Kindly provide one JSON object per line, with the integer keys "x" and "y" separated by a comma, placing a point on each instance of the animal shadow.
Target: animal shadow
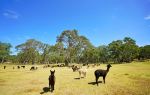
{"x": 93, "y": 83}
{"x": 78, "y": 78}
{"x": 45, "y": 90}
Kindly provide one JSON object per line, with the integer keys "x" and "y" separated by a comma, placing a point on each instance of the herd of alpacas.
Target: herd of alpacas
{"x": 82, "y": 72}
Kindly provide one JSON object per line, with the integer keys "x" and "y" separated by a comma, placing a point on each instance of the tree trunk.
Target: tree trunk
{"x": 2, "y": 60}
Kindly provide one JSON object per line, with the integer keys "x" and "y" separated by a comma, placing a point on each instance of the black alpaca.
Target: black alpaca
{"x": 101, "y": 73}
{"x": 4, "y": 67}
{"x": 52, "y": 80}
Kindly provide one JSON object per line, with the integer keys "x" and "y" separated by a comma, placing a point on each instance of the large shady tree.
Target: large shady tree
{"x": 29, "y": 51}
{"x": 73, "y": 45}
{"x": 4, "y": 51}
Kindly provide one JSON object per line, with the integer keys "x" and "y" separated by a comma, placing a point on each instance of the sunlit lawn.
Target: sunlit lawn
{"x": 122, "y": 79}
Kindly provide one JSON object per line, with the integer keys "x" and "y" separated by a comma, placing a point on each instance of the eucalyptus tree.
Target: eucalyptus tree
{"x": 115, "y": 49}
{"x": 69, "y": 40}
{"x": 124, "y": 50}
{"x": 144, "y": 52}
{"x": 90, "y": 55}
{"x": 130, "y": 49}
{"x": 29, "y": 51}
{"x": 103, "y": 53}
{"x": 44, "y": 52}
{"x": 83, "y": 45}
{"x": 4, "y": 51}
{"x": 73, "y": 45}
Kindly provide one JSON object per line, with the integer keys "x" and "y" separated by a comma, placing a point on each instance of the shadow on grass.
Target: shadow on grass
{"x": 93, "y": 83}
{"x": 78, "y": 78}
{"x": 45, "y": 90}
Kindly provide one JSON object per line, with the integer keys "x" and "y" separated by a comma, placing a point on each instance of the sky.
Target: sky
{"x": 101, "y": 21}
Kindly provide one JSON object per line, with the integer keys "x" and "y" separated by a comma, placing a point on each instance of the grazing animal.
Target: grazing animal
{"x": 101, "y": 73}
{"x": 18, "y": 67}
{"x": 52, "y": 80}
{"x": 4, "y": 67}
{"x": 23, "y": 67}
{"x": 33, "y": 68}
{"x": 82, "y": 72}
{"x": 75, "y": 68}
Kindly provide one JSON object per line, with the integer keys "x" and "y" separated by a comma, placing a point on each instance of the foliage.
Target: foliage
{"x": 4, "y": 51}
{"x": 71, "y": 47}
{"x": 144, "y": 52}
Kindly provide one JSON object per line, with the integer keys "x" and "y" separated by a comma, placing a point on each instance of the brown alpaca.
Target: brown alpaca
{"x": 52, "y": 80}
{"x": 101, "y": 73}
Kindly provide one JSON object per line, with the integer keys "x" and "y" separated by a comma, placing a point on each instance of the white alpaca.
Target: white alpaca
{"x": 82, "y": 72}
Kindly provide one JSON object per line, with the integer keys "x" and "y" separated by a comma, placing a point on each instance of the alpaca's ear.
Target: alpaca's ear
{"x": 50, "y": 71}
{"x": 54, "y": 71}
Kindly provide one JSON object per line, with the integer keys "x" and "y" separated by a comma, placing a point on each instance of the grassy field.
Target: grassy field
{"x": 122, "y": 79}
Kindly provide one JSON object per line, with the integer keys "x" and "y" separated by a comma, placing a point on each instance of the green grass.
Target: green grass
{"x": 122, "y": 79}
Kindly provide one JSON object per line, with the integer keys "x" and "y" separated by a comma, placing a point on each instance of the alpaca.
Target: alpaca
{"x": 52, "y": 80}
{"x": 82, "y": 72}
{"x": 75, "y": 68}
{"x": 102, "y": 73}
{"x": 33, "y": 68}
{"x": 4, "y": 67}
{"x": 23, "y": 67}
{"x": 18, "y": 67}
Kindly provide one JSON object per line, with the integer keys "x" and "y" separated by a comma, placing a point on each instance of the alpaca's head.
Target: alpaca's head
{"x": 52, "y": 72}
{"x": 109, "y": 66}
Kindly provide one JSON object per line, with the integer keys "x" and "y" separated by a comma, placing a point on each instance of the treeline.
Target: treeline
{"x": 71, "y": 47}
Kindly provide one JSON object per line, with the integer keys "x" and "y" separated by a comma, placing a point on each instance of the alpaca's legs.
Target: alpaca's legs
{"x": 85, "y": 74}
{"x": 52, "y": 88}
{"x": 79, "y": 74}
{"x": 104, "y": 79}
{"x": 97, "y": 80}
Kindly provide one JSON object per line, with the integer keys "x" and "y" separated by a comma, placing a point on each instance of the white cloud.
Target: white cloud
{"x": 147, "y": 17}
{"x": 11, "y": 14}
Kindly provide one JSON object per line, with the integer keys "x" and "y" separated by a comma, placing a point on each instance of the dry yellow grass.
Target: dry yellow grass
{"x": 123, "y": 79}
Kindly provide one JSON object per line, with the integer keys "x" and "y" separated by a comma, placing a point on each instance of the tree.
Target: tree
{"x": 103, "y": 52}
{"x": 69, "y": 40}
{"x": 144, "y": 52}
{"x": 73, "y": 45}
{"x": 4, "y": 51}
{"x": 90, "y": 55}
{"x": 45, "y": 50}
{"x": 115, "y": 49}
{"x": 130, "y": 49}
{"x": 123, "y": 50}
{"x": 29, "y": 51}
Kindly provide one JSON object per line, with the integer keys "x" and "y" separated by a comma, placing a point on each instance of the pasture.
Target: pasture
{"x": 122, "y": 79}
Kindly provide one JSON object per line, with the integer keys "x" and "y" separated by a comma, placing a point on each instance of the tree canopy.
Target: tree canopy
{"x": 71, "y": 47}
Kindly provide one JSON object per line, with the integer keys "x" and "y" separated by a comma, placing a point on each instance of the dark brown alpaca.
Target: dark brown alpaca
{"x": 101, "y": 73}
{"x": 52, "y": 80}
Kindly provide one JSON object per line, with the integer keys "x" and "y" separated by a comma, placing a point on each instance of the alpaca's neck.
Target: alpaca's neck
{"x": 107, "y": 69}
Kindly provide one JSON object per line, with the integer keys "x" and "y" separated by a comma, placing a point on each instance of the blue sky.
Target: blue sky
{"x": 101, "y": 21}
